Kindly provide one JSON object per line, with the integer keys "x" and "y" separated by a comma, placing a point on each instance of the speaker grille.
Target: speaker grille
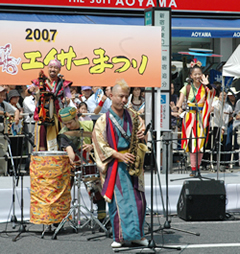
{"x": 202, "y": 200}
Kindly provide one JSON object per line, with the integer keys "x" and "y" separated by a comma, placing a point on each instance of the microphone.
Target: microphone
{"x": 30, "y": 141}
{"x": 147, "y": 129}
{"x": 28, "y": 138}
{"x": 60, "y": 75}
{"x": 189, "y": 80}
{"x": 59, "y": 85}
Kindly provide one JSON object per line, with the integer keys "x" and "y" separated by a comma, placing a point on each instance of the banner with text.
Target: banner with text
{"x": 94, "y": 55}
{"x": 204, "y": 5}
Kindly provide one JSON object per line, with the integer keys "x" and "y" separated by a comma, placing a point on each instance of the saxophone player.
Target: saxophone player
{"x": 123, "y": 192}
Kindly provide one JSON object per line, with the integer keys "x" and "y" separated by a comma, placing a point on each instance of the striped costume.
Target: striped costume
{"x": 192, "y": 128}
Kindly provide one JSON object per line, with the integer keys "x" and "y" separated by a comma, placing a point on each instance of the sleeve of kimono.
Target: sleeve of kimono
{"x": 102, "y": 151}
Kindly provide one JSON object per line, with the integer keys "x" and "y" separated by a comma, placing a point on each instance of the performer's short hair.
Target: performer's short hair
{"x": 67, "y": 114}
{"x": 123, "y": 84}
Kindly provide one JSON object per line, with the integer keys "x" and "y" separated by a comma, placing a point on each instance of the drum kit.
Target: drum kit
{"x": 50, "y": 196}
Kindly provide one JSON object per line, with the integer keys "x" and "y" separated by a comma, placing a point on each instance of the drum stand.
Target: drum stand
{"x": 91, "y": 220}
{"x": 77, "y": 207}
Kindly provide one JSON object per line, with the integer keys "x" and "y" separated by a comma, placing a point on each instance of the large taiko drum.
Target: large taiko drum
{"x": 50, "y": 187}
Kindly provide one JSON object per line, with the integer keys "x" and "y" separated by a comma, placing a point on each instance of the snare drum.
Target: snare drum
{"x": 50, "y": 187}
{"x": 89, "y": 172}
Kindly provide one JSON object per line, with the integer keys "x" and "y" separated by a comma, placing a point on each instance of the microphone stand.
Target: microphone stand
{"x": 22, "y": 227}
{"x": 167, "y": 224}
{"x": 58, "y": 88}
{"x": 14, "y": 178}
{"x": 218, "y": 143}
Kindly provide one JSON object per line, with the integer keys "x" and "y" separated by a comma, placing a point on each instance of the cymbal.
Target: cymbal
{"x": 84, "y": 134}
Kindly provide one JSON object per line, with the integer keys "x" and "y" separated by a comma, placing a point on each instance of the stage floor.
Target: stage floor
{"x": 231, "y": 181}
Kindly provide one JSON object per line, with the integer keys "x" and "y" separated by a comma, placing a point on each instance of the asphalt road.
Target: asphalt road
{"x": 220, "y": 237}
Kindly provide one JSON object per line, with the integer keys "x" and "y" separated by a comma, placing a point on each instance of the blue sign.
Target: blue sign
{"x": 217, "y": 76}
{"x": 163, "y": 99}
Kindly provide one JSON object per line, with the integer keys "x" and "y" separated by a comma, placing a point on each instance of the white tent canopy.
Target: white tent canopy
{"x": 232, "y": 67}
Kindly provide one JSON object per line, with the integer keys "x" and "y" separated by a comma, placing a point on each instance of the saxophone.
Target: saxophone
{"x": 136, "y": 148}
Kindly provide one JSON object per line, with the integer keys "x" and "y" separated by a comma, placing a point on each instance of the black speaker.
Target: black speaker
{"x": 202, "y": 200}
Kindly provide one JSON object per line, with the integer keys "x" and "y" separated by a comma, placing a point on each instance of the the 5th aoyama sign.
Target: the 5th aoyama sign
{"x": 202, "y": 6}
{"x": 183, "y": 5}
{"x": 89, "y": 54}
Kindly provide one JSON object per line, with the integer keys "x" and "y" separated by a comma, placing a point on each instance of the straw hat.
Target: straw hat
{"x": 233, "y": 91}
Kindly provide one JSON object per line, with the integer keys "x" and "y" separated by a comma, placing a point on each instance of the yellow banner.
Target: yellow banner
{"x": 92, "y": 55}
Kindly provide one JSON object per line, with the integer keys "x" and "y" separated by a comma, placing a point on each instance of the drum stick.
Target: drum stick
{"x": 90, "y": 153}
{"x": 78, "y": 133}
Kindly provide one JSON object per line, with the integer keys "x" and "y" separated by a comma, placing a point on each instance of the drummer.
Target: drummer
{"x": 70, "y": 120}
{"x": 71, "y": 123}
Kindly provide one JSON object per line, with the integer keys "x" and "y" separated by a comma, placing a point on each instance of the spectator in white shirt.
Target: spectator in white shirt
{"x": 98, "y": 103}
{"x": 220, "y": 124}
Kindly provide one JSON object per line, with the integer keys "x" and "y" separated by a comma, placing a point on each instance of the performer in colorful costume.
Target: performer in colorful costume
{"x": 199, "y": 95}
{"x": 71, "y": 123}
{"x": 54, "y": 93}
{"x": 124, "y": 193}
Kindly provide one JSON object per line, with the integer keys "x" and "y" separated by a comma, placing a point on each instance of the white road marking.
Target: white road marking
{"x": 208, "y": 245}
{"x": 185, "y": 246}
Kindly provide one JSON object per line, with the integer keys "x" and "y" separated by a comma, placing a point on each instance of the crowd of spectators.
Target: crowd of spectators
{"x": 90, "y": 103}
{"x": 223, "y": 128}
